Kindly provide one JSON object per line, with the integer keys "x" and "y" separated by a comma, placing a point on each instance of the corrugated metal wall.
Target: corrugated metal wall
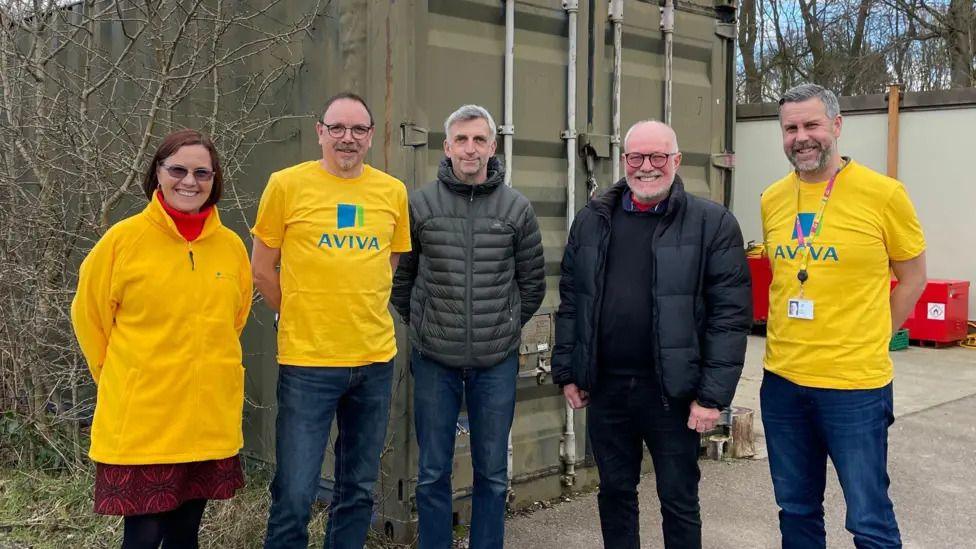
{"x": 417, "y": 61}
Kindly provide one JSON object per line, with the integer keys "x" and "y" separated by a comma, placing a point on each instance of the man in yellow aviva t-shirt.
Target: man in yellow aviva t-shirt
{"x": 833, "y": 228}
{"x": 336, "y": 228}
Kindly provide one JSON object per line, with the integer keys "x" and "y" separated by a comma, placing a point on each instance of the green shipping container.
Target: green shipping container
{"x": 415, "y": 62}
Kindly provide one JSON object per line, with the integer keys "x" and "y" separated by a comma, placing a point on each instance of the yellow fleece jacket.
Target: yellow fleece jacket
{"x": 159, "y": 320}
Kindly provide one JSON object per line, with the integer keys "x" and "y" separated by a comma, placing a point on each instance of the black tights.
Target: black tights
{"x": 176, "y": 529}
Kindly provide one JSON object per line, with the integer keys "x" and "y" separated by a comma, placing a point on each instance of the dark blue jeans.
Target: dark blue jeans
{"x": 626, "y": 413}
{"x": 803, "y": 426}
{"x": 490, "y": 397}
{"x": 308, "y": 399}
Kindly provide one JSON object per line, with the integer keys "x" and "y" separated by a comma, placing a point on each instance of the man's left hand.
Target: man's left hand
{"x": 701, "y": 418}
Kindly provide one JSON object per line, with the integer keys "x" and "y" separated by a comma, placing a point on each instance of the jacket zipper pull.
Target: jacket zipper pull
{"x": 472, "y": 194}
{"x": 193, "y": 265}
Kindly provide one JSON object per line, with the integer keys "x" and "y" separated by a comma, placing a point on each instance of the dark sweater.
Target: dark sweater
{"x": 625, "y": 345}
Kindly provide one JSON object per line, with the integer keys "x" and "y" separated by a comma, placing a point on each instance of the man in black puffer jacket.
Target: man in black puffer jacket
{"x": 474, "y": 278}
{"x": 651, "y": 332}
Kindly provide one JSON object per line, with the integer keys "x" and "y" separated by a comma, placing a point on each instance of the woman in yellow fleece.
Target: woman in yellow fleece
{"x": 162, "y": 299}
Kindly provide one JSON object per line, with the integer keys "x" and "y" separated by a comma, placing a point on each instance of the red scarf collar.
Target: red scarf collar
{"x": 189, "y": 225}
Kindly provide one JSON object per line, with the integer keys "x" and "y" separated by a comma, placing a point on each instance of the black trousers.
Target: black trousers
{"x": 626, "y": 413}
{"x": 176, "y": 529}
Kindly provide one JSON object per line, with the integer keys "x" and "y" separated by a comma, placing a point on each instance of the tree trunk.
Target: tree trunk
{"x": 812, "y": 29}
{"x": 747, "y": 47}
{"x": 743, "y": 436}
{"x": 959, "y": 25}
{"x": 857, "y": 45}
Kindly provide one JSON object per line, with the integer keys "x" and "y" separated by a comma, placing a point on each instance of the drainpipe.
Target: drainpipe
{"x": 567, "y": 446}
{"x": 616, "y": 14}
{"x": 508, "y": 129}
{"x": 894, "y": 96}
{"x": 572, "y": 9}
{"x": 667, "y": 27}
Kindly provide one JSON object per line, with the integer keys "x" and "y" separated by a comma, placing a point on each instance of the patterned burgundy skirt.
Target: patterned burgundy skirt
{"x": 144, "y": 489}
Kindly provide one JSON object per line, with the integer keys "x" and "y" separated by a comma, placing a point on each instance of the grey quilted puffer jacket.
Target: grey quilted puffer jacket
{"x": 476, "y": 272}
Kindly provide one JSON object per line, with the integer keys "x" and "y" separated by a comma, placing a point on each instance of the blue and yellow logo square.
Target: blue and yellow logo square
{"x": 349, "y": 215}
{"x": 806, "y": 223}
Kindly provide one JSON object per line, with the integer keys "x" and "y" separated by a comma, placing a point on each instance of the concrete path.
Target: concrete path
{"x": 932, "y": 459}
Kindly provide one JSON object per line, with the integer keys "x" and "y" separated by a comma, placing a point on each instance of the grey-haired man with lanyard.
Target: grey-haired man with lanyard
{"x": 833, "y": 228}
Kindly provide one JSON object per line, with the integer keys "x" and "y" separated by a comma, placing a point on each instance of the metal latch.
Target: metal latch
{"x": 725, "y": 30}
{"x": 412, "y": 135}
{"x": 724, "y": 160}
{"x": 599, "y": 143}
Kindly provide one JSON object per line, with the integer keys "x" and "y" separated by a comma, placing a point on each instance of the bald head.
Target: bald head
{"x": 651, "y": 159}
{"x": 654, "y": 127}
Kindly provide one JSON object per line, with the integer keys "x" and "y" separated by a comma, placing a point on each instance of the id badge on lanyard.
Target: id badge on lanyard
{"x": 799, "y": 307}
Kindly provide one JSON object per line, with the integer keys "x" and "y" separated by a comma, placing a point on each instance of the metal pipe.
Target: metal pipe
{"x": 667, "y": 27}
{"x": 894, "y": 96}
{"x": 508, "y": 128}
{"x": 572, "y": 9}
{"x": 616, "y": 14}
{"x": 567, "y": 446}
{"x": 511, "y": 464}
{"x": 729, "y": 117}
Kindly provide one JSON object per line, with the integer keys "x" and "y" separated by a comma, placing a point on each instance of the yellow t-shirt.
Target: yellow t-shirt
{"x": 336, "y": 236}
{"x": 868, "y": 222}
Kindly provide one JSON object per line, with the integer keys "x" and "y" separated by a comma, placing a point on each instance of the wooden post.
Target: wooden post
{"x": 717, "y": 446}
{"x": 894, "y": 97}
{"x": 743, "y": 437}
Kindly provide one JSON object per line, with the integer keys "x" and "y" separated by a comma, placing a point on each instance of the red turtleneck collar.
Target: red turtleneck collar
{"x": 189, "y": 225}
{"x": 642, "y": 207}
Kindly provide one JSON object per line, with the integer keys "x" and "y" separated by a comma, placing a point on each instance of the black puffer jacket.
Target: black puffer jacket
{"x": 702, "y": 299}
{"x": 476, "y": 272}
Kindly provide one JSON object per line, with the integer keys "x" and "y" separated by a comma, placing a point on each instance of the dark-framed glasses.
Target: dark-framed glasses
{"x": 337, "y": 131}
{"x": 179, "y": 172}
{"x": 658, "y": 160}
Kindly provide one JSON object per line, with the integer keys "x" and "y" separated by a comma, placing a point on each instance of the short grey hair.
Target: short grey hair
{"x": 803, "y": 92}
{"x": 650, "y": 121}
{"x": 470, "y": 112}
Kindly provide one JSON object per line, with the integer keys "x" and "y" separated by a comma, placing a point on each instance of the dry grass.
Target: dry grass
{"x": 43, "y": 510}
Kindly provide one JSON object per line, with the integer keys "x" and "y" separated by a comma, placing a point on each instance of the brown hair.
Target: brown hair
{"x": 172, "y": 143}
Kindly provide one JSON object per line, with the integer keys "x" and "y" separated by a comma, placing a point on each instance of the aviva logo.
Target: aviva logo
{"x": 817, "y": 253}
{"x": 349, "y": 242}
{"x": 806, "y": 223}
{"x": 349, "y": 215}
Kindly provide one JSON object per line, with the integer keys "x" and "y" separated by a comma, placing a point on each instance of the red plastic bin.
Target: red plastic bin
{"x": 941, "y": 313}
{"x": 762, "y": 276}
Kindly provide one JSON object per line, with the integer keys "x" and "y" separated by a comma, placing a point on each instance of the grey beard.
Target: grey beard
{"x": 822, "y": 160}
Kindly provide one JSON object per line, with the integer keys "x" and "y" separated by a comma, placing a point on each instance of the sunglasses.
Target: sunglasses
{"x": 179, "y": 172}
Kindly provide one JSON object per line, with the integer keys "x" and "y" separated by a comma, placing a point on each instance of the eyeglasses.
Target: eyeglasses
{"x": 658, "y": 160}
{"x": 179, "y": 172}
{"x": 337, "y": 131}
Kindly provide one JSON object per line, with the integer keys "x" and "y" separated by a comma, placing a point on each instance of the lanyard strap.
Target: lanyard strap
{"x": 805, "y": 242}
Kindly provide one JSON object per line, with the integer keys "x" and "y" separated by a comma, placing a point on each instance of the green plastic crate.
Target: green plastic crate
{"x": 899, "y": 340}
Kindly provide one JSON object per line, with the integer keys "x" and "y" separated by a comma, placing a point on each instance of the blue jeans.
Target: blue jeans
{"x": 308, "y": 399}
{"x": 626, "y": 413}
{"x": 803, "y": 426}
{"x": 490, "y": 397}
